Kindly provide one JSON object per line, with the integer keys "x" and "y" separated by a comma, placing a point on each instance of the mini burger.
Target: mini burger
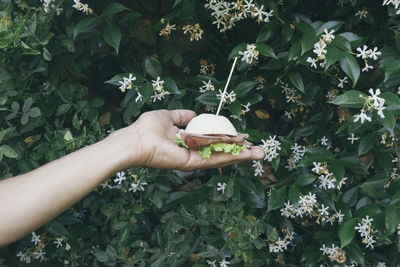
{"x": 208, "y": 132}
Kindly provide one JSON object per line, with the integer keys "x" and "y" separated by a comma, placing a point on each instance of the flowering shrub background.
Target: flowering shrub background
{"x": 316, "y": 85}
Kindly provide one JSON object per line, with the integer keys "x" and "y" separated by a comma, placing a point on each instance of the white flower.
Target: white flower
{"x": 231, "y": 97}
{"x": 327, "y": 181}
{"x": 224, "y": 263}
{"x": 319, "y": 48}
{"x": 361, "y": 13}
{"x": 258, "y": 168}
{"x": 139, "y": 97}
{"x": 120, "y": 177}
{"x": 158, "y": 84}
{"x": 362, "y": 116}
{"x": 363, "y": 53}
{"x": 58, "y": 242}
{"x": 288, "y": 114}
{"x": 126, "y": 83}
{"x": 137, "y": 186}
{"x": 67, "y": 247}
{"x": 342, "y": 81}
{"x": 340, "y": 216}
{"x": 341, "y": 183}
{"x": 328, "y": 36}
{"x": 211, "y": 263}
{"x": 378, "y": 101}
{"x": 312, "y": 61}
{"x": 35, "y": 238}
{"x": 352, "y": 138}
{"x": 317, "y": 167}
{"x": 24, "y": 257}
{"x": 207, "y": 87}
{"x": 39, "y": 255}
{"x": 374, "y": 53}
{"x": 250, "y": 56}
{"x": 246, "y": 107}
{"x": 367, "y": 67}
{"x": 323, "y": 210}
{"x": 221, "y": 187}
{"x": 324, "y": 141}
{"x": 380, "y": 111}
{"x": 270, "y": 147}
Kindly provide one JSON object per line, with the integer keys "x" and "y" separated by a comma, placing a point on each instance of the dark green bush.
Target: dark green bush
{"x": 316, "y": 85}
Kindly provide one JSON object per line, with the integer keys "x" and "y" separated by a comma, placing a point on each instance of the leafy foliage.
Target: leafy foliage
{"x": 303, "y": 74}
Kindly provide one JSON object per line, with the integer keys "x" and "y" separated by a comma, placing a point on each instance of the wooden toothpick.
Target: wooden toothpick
{"x": 226, "y": 86}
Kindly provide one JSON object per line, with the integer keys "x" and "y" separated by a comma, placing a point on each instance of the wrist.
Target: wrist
{"x": 124, "y": 148}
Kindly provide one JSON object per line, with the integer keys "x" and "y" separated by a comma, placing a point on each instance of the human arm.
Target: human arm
{"x": 30, "y": 200}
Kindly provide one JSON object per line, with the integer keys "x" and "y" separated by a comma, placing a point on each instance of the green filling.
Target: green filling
{"x": 180, "y": 142}
{"x": 206, "y": 151}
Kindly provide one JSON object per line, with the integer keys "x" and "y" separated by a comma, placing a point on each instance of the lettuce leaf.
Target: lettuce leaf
{"x": 180, "y": 142}
{"x": 206, "y": 151}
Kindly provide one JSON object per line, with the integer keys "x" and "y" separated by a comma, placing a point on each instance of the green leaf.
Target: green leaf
{"x": 296, "y": 79}
{"x": 350, "y": 66}
{"x": 244, "y": 87}
{"x": 208, "y": 98}
{"x": 100, "y": 255}
{"x": 114, "y": 8}
{"x": 305, "y": 179}
{"x": 112, "y": 36}
{"x": 27, "y": 50}
{"x": 152, "y": 67}
{"x": 266, "y": 32}
{"x": 355, "y": 164}
{"x": 392, "y": 218}
{"x": 177, "y": 2}
{"x": 389, "y": 121}
{"x": 350, "y": 197}
{"x": 170, "y": 85}
{"x": 6, "y": 38}
{"x": 27, "y": 105}
{"x": 307, "y": 43}
{"x": 333, "y": 55}
{"x": 390, "y": 99}
{"x": 330, "y": 25}
{"x": 353, "y": 251}
{"x": 4, "y": 132}
{"x": 235, "y": 51}
{"x": 111, "y": 253}
{"x": 46, "y": 54}
{"x": 8, "y": 151}
{"x": 24, "y": 119}
{"x": 347, "y": 232}
{"x": 34, "y": 112}
{"x": 277, "y": 198}
{"x": 294, "y": 194}
{"x": 235, "y": 108}
{"x": 367, "y": 143}
{"x": 350, "y": 99}
{"x": 295, "y": 51}
{"x": 265, "y": 50}
{"x": 86, "y": 25}
{"x": 56, "y": 228}
{"x": 62, "y": 109}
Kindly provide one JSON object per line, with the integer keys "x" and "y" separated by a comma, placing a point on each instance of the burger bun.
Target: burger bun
{"x": 210, "y": 124}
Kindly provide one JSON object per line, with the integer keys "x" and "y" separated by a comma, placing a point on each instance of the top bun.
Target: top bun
{"x": 210, "y": 124}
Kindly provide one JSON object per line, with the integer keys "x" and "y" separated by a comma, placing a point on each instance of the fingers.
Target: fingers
{"x": 222, "y": 159}
{"x": 181, "y": 117}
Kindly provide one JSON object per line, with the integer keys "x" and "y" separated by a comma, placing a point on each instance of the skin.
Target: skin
{"x": 30, "y": 200}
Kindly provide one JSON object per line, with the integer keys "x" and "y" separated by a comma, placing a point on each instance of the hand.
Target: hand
{"x": 152, "y": 139}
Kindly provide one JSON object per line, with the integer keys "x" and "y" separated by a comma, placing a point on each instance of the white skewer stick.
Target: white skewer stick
{"x": 226, "y": 86}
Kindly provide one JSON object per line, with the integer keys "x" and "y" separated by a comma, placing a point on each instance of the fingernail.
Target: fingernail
{"x": 257, "y": 152}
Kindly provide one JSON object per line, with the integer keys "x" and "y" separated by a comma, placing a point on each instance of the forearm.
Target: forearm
{"x": 30, "y": 200}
